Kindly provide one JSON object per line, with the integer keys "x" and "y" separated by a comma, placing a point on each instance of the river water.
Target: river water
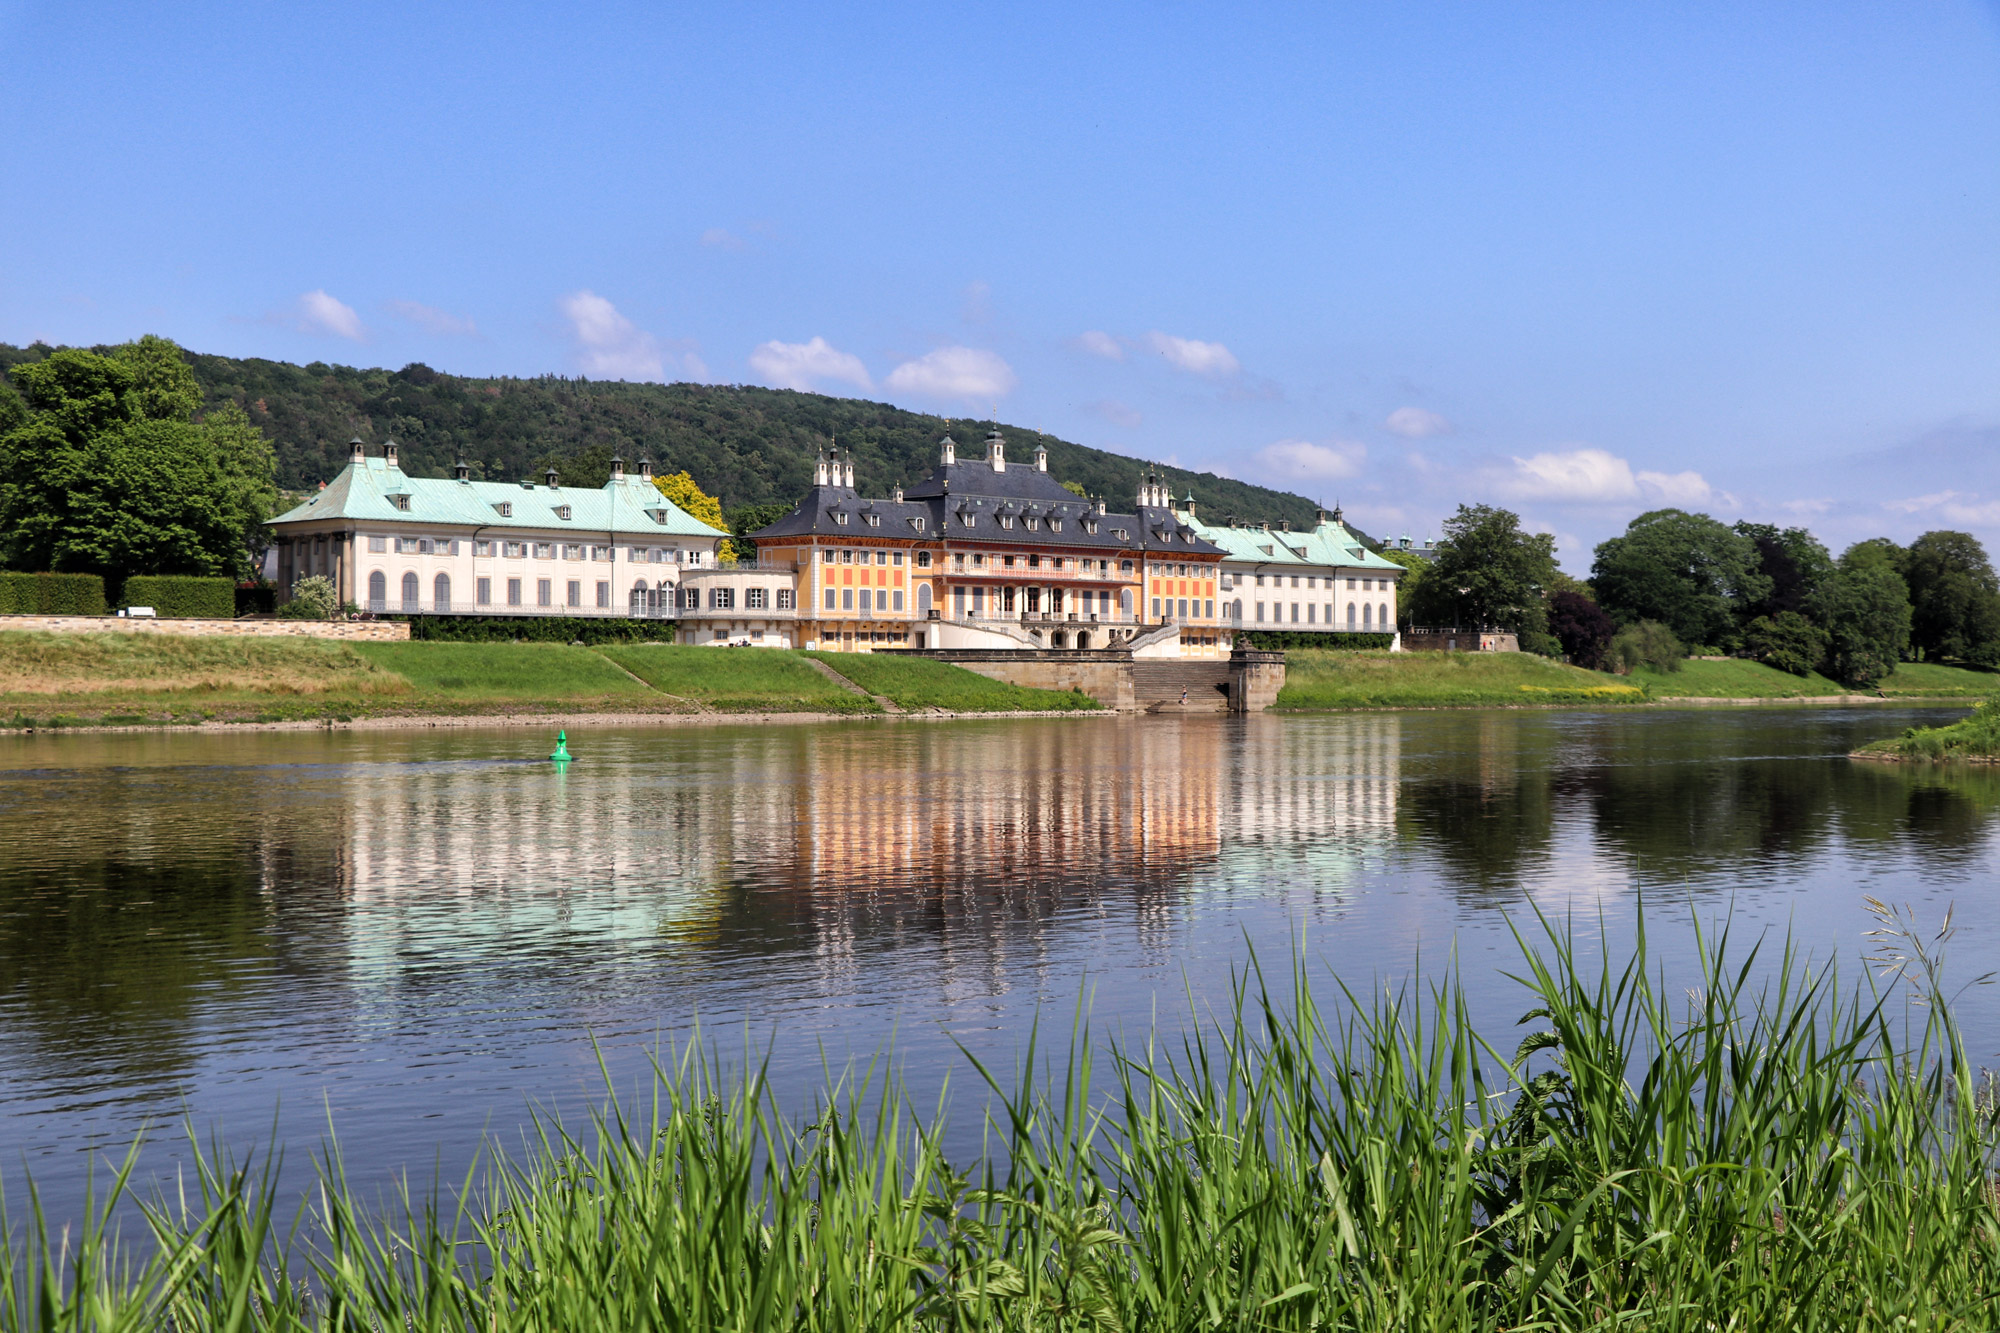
{"x": 415, "y": 936}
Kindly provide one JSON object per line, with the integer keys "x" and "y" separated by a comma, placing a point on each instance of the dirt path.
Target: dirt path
{"x": 886, "y": 705}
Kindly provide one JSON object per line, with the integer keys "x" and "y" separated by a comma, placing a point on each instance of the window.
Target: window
{"x": 1034, "y": 525}
{"x": 1184, "y": 610}
{"x": 1210, "y": 612}
{"x": 898, "y": 599}
{"x": 482, "y": 548}
{"x": 874, "y": 520}
{"x": 978, "y": 559}
{"x": 1007, "y": 521}
{"x": 573, "y": 593}
{"x": 513, "y": 592}
{"x": 483, "y": 590}
{"x": 400, "y": 501}
{"x": 829, "y": 599}
{"x": 966, "y": 518}
{"x": 1124, "y": 566}
{"x": 840, "y": 517}
{"x": 1367, "y": 615}
{"x": 517, "y": 550}
{"x": 441, "y": 593}
{"x": 603, "y": 593}
{"x": 847, "y": 599}
{"x": 603, "y": 553}
{"x": 1006, "y": 562}
{"x": 1034, "y": 562}
{"x": 1156, "y": 608}
{"x": 1295, "y": 613}
{"x": 958, "y": 559}
{"x": 753, "y": 599}
{"x": 657, "y": 556}
{"x": 505, "y": 509}
{"x": 544, "y": 592}
{"x": 545, "y": 550}
{"x": 917, "y": 523}
{"x": 1383, "y": 619}
{"x": 923, "y": 560}
{"x": 572, "y": 552}
{"x": 1312, "y": 609}
{"x": 784, "y": 599}
{"x": 1350, "y": 615}
{"x": 1295, "y": 580}
{"x": 897, "y": 559}
{"x": 923, "y": 598}
{"x": 1055, "y": 525}
{"x": 562, "y": 512}
{"x": 847, "y": 557}
{"x": 1350, "y": 585}
{"x": 378, "y": 545}
{"x": 1121, "y": 534}
{"x": 412, "y": 596}
{"x": 722, "y": 599}
{"x": 378, "y": 591}
{"x": 406, "y": 546}
{"x": 1260, "y": 611}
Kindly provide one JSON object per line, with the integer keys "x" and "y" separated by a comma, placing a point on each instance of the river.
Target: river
{"x": 415, "y": 936}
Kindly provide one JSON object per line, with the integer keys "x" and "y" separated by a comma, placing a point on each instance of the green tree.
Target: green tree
{"x": 746, "y": 519}
{"x": 110, "y": 474}
{"x": 1489, "y": 572}
{"x": 1865, "y": 611}
{"x": 1409, "y": 589}
{"x": 1795, "y": 562}
{"x": 1646, "y": 643}
{"x": 1687, "y": 571}
{"x": 1954, "y": 598}
{"x": 1076, "y": 488}
{"x": 1787, "y": 641}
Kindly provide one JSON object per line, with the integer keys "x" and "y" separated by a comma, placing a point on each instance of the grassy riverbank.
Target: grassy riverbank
{"x": 1735, "y": 679}
{"x": 1744, "y": 1155}
{"x": 126, "y": 678}
{"x": 1976, "y": 738}
{"x": 1317, "y": 680}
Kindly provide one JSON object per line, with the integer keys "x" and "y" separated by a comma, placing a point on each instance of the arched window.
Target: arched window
{"x": 441, "y": 593}
{"x": 640, "y": 599}
{"x": 378, "y": 592}
{"x": 1367, "y": 614}
{"x": 1383, "y": 621}
{"x": 412, "y": 594}
{"x": 923, "y": 596}
{"x": 1125, "y": 601}
{"x": 1350, "y": 615}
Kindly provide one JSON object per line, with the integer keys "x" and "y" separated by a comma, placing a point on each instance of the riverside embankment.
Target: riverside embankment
{"x": 146, "y": 680}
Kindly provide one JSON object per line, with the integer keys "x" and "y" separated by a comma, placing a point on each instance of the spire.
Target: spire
{"x": 356, "y": 451}
{"x": 1041, "y": 457}
{"x": 820, "y": 477}
{"x": 551, "y": 476}
{"x": 460, "y": 470}
{"x": 645, "y": 469}
{"x": 617, "y": 468}
{"x": 389, "y": 453}
{"x": 996, "y": 450}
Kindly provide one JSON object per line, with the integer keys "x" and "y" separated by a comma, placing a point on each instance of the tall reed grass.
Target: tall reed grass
{"x": 1767, "y": 1151}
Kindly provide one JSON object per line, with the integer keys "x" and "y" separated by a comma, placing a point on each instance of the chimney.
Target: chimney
{"x": 819, "y": 471}
{"x": 645, "y": 469}
{"x": 356, "y": 451}
{"x": 1190, "y": 504}
{"x": 1041, "y": 457}
{"x": 461, "y": 471}
{"x": 996, "y": 450}
{"x": 389, "y": 454}
{"x": 947, "y": 452}
{"x": 617, "y": 469}
{"x": 551, "y": 475}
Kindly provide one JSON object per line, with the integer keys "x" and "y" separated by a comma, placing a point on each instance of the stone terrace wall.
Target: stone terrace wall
{"x": 371, "y": 630}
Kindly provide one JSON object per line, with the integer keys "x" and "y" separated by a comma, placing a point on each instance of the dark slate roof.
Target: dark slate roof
{"x": 1020, "y": 493}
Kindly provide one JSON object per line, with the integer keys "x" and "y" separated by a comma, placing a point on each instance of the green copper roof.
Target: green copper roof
{"x": 1328, "y": 544}
{"x": 367, "y": 491}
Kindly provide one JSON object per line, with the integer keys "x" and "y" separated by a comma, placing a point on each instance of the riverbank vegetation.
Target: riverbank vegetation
{"x": 1762, "y": 1149}
{"x": 1974, "y": 738}
{"x": 1329, "y": 679}
{"x": 738, "y": 680}
{"x": 1741, "y": 678}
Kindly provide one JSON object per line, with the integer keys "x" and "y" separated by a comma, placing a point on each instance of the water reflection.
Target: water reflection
{"x": 427, "y": 930}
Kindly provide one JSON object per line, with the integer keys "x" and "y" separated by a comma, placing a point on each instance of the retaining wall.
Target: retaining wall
{"x": 371, "y": 630}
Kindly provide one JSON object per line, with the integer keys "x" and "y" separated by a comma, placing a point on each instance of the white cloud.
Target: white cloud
{"x": 316, "y": 312}
{"x": 718, "y": 238}
{"x": 433, "y": 320}
{"x": 611, "y": 346}
{"x": 1979, "y": 515}
{"x": 954, "y": 372}
{"x": 1414, "y": 423}
{"x": 1099, "y": 343}
{"x": 1951, "y": 506}
{"x": 1302, "y": 460}
{"x": 1917, "y": 503}
{"x": 1818, "y": 506}
{"x": 805, "y": 365}
{"x": 1194, "y": 356}
{"x": 1596, "y": 476}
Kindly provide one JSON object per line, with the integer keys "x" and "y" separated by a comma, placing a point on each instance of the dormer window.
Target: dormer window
{"x": 874, "y": 520}
{"x": 1055, "y": 525}
{"x": 1121, "y": 534}
{"x": 966, "y": 519}
{"x": 657, "y": 515}
{"x": 400, "y": 501}
{"x": 1007, "y": 521}
{"x": 1034, "y": 524}
{"x": 505, "y": 509}
{"x": 840, "y": 517}
{"x": 562, "y": 512}
{"x": 917, "y": 523}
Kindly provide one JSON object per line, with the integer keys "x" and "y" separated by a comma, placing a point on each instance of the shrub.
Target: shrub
{"x": 256, "y": 599}
{"x": 1582, "y": 628}
{"x": 1787, "y": 641}
{"x": 51, "y": 595}
{"x": 313, "y": 598}
{"x": 1646, "y": 644}
{"x": 538, "y": 629}
{"x": 183, "y": 596}
{"x": 1277, "y": 640}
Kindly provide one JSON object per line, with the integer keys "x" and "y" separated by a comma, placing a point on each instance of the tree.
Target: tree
{"x": 1489, "y": 572}
{"x": 682, "y": 490}
{"x": 1581, "y": 627}
{"x": 1409, "y": 589}
{"x": 1793, "y": 560}
{"x": 1687, "y": 571}
{"x": 1647, "y": 643}
{"x": 1787, "y": 641}
{"x": 110, "y": 474}
{"x": 1076, "y": 488}
{"x": 1954, "y": 598}
{"x": 746, "y": 519}
{"x": 1865, "y": 610}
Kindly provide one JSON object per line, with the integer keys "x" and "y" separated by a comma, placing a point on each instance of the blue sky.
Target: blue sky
{"x": 1578, "y": 259}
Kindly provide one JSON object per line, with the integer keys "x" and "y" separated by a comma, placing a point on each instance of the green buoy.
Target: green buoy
{"x": 562, "y": 754}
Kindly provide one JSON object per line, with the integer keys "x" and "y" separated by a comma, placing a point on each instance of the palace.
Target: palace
{"x": 398, "y": 544}
{"x": 982, "y": 554}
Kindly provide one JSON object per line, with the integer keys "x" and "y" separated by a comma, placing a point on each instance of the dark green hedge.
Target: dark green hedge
{"x": 51, "y": 595}
{"x": 183, "y": 596}
{"x": 538, "y": 629}
{"x": 1276, "y": 640}
{"x": 256, "y": 599}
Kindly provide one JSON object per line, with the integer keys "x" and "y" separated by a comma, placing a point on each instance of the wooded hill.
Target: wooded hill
{"x": 746, "y": 444}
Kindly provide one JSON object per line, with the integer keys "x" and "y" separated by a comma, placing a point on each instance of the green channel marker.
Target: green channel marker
{"x": 562, "y": 754}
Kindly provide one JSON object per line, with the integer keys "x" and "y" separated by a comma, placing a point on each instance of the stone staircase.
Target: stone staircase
{"x": 1157, "y": 684}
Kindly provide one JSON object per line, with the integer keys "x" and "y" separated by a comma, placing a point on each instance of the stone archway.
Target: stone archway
{"x": 1082, "y": 640}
